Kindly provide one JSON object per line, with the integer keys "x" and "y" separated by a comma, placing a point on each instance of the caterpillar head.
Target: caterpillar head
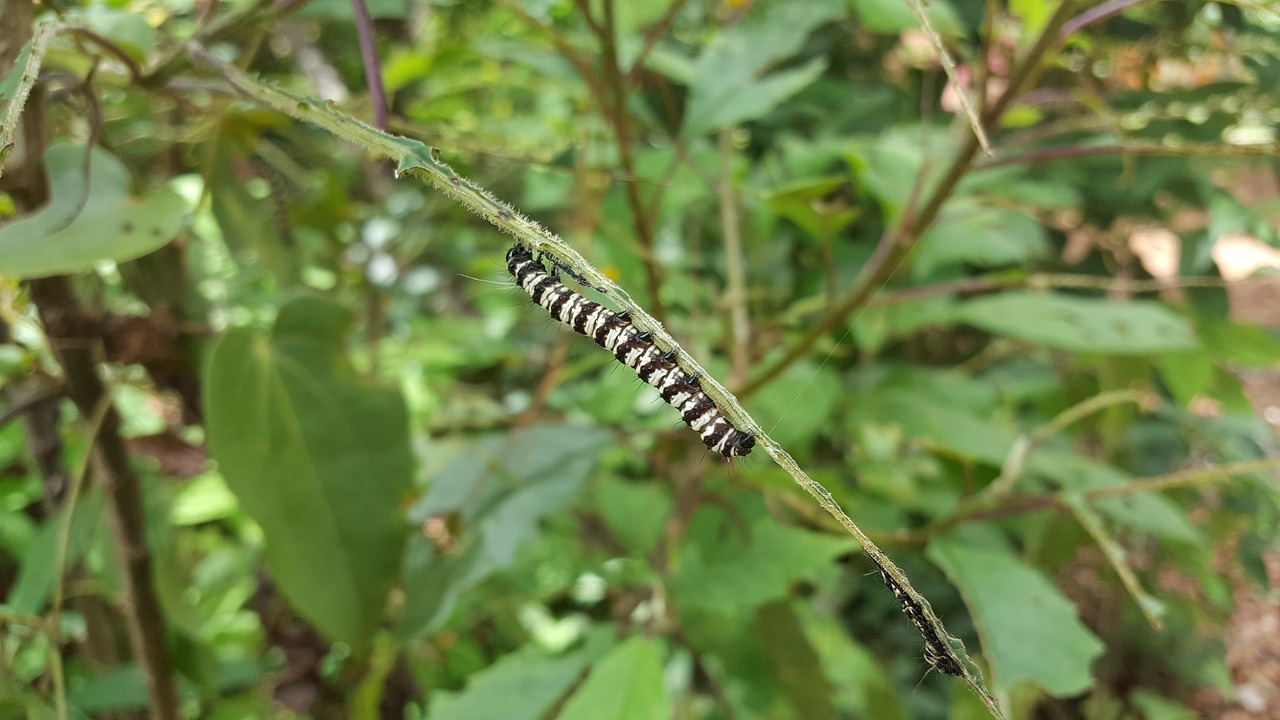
{"x": 741, "y": 445}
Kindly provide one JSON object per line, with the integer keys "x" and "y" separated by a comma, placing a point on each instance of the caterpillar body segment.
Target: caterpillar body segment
{"x": 615, "y": 333}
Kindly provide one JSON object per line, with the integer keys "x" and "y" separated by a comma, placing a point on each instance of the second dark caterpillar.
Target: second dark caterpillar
{"x": 936, "y": 652}
{"x": 615, "y": 333}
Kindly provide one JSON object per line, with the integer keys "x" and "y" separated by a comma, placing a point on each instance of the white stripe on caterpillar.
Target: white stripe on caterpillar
{"x": 615, "y": 333}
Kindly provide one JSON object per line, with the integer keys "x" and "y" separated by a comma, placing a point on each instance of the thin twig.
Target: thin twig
{"x": 372, "y": 65}
{"x": 651, "y": 37}
{"x": 72, "y": 341}
{"x": 735, "y": 296}
{"x": 615, "y": 111}
{"x": 1106, "y": 10}
{"x": 1189, "y": 150}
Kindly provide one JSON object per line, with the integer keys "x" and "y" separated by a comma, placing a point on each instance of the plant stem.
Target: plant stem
{"x": 898, "y": 243}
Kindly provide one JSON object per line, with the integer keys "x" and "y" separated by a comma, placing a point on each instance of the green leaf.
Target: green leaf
{"x": 794, "y": 661}
{"x": 717, "y": 103}
{"x": 729, "y": 84}
{"x": 1156, "y": 707}
{"x": 90, "y": 218}
{"x": 860, "y": 686}
{"x": 1186, "y": 374}
{"x": 635, "y": 512}
{"x": 500, "y": 490}
{"x": 727, "y": 567}
{"x": 319, "y": 458}
{"x": 1081, "y": 324}
{"x": 1241, "y": 344}
{"x": 804, "y": 203}
{"x": 522, "y": 685}
{"x": 626, "y": 685}
{"x": 890, "y": 17}
{"x": 128, "y": 30}
{"x": 1030, "y": 632}
{"x": 972, "y": 234}
{"x": 799, "y": 405}
{"x": 1154, "y": 514}
{"x": 38, "y": 574}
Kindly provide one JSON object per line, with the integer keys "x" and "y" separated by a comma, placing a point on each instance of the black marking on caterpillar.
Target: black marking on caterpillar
{"x": 936, "y": 652}
{"x": 615, "y": 333}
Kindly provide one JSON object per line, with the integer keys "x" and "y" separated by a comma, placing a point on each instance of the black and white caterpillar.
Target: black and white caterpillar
{"x": 615, "y": 333}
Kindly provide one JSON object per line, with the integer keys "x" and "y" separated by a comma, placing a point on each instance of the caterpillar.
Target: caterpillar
{"x": 936, "y": 652}
{"x": 615, "y": 333}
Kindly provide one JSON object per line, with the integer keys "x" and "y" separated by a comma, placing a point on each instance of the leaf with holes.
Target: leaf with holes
{"x": 1081, "y": 324}
{"x": 90, "y": 218}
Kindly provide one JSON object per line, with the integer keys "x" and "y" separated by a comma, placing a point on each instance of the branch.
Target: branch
{"x": 71, "y": 337}
{"x": 372, "y": 66}
{"x": 898, "y": 243}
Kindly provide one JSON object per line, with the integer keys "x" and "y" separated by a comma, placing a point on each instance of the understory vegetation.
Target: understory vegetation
{"x": 282, "y": 438}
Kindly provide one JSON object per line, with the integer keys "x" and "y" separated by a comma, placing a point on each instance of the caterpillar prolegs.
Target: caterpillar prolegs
{"x": 615, "y": 333}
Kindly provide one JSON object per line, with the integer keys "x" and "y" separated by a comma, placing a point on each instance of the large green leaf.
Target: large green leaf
{"x": 38, "y": 574}
{"x": 794, "y": 661}
{"x": 1030, "y": 632}
{"x": 318, "y": 458}
{"x": 968, "y": 233}
{"x": 890, "y": 17}
{"x": 90, "y": 218}
{"x": 500, "y": 491}
{"x": 1081, "y": 324}
{"x": 522, "y": 685}
{"x": 729, "y": 84}
{"x": 730, "y": 565}
{"x": 626, "y": 685}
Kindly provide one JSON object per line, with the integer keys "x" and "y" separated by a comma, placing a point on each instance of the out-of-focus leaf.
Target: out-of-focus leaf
{"x": 1187, "y": 374}
{"x": 805, "y": 205}
{"x": 728, "y": 83}
{"x": 888, "y": 167}
{"x": 202, "y": 499}
{"x": 248, "y": 223}
{"x": 730, "y": 566}
{"x": 129, "y": 30}
{"x": 522, "y": 685}
{"x": 499, "y": 491}
{"x": 635, "y": 512}
{"x": 923, "y": 415}
{"x": 626, "y": 685}
{"x": 1030, "y": 632}
{"x": 1241, "y": 345}
{"x": 1156, "y": 707}
{"x": 794, "y": 661}
{"x": 38, "y": 574}
{"x": 319, "y": 458}
{"x": 860, "y": 686}
{"x": 799, "y": 404}
{"x": 1081, "y": 324}
{"x": 90, "y": 218}
{"x": 1154, "y": 514}
{"x": 890, "y": 17}
{"x": 717, "y": 104}
{"x": 971, "y": 234}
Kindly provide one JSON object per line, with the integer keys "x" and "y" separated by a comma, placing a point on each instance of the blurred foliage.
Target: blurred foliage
{"x": 421, "y": 499}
